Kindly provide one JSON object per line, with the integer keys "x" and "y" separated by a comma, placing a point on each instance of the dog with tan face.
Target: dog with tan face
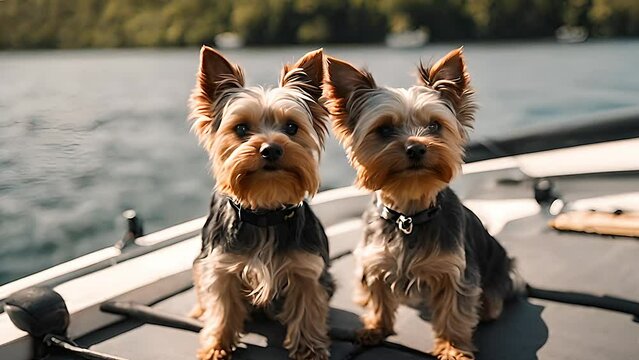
{"x": 421, "y": 245}
{"x": 262, "y": 245}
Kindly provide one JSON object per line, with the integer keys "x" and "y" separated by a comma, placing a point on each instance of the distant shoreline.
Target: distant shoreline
{"x": 454, "y": 43}
{"x": 79, "y": 24}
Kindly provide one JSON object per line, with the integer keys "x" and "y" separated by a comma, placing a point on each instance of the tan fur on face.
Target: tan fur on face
{"x": 220, "y": 102}
{"x": 241, "y": 175}
{"x": 382, "y": 164}
{"x": 358, "y": 107}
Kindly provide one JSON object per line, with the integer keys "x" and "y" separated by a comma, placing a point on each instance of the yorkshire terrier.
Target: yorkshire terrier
{"x": 262, "y": 246}
{"x": 421, "y": 246}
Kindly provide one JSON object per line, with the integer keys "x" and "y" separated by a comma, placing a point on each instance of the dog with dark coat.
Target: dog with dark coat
{"x": 421, "y": 245}
{"x": 262, "y": 246}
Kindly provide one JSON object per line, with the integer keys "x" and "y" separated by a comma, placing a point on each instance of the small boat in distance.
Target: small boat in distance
{"x": 229, "y": 40}
{"x": 571, "y": 34}
{"x": 408, "y": 39}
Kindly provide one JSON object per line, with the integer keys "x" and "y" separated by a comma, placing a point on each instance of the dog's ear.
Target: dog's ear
{"x": 343, "y": 84}
{"x": 217, "y": 74}
{"x": 307, "y": 73}
{"x": 450, "y": 78}
{"x": 215, "y": 77}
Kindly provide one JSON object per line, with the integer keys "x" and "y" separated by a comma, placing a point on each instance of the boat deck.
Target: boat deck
{"x": 528, "y": 329}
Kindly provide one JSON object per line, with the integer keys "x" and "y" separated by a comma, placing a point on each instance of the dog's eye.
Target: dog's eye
{"x": 290, "y": 129}
{"x": 241, "y": 130}
{"x": 385, "y": 131}
{"x": 433, "y": 127}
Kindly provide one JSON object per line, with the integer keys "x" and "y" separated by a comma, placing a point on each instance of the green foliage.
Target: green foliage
{"x": 614, "y": 17}
{"x": 123, "y": 23}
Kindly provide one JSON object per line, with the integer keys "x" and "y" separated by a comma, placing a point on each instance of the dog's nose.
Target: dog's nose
{"x": 271, "y": 152}
{"x": 415, "y": 151}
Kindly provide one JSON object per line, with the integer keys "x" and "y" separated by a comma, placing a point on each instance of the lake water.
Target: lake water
{"x": 85, "y": 134}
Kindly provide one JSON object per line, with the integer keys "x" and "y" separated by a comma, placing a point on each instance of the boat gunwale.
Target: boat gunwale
{"x": 614, "y": 125}
{"x": 158, "y": 240}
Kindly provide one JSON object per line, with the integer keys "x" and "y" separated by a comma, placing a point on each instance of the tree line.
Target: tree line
{"x": 132, "y": 23}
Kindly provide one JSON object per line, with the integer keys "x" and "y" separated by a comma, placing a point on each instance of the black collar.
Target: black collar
{"x": 405, "y": 223}
{"x": 264, "y": 218}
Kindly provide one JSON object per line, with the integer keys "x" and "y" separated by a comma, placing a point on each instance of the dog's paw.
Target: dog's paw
{"x": 196, "y": 312}
{"x": 446, "y": 351}
{"x": 458, "y": 356}
{"x": 309, "y": 353}
{"x": 214, "y": 353}
{"x": 370, "y": 337}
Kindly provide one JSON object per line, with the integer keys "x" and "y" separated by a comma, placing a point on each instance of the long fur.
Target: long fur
{"x": 276, "y": 268}
{"x": 449, "y": 264}
{"x": 220, "y": 101}
{"x": 281, "y": 268}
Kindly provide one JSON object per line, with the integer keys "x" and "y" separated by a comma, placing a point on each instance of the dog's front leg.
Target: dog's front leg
{"x": 454, "y": 306}
{"x": 225, "y": 310}
{"x": 200, "y": 293}
{"x": 305, "y": 309}
{"x": 381, "y": 306}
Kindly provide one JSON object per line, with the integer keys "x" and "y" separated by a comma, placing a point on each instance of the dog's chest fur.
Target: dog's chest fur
{"x": 410, "y": 274}
{"x": 451, "y": 248}
{"x": 413, "y": 265}
{"x": 262, "y": 269}
{"x": 262, "y": 256}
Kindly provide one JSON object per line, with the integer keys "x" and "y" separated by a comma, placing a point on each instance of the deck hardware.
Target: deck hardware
{"x": 42, "y": 312}
{"x": 134, "y": 229}
{"x": 606, "y": 302}
{"x": 544, "y": 192}
{"x": 547, "y": 196}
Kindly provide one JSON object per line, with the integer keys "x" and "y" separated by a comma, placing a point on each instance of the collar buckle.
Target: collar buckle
{"x": 405, "y": 224}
